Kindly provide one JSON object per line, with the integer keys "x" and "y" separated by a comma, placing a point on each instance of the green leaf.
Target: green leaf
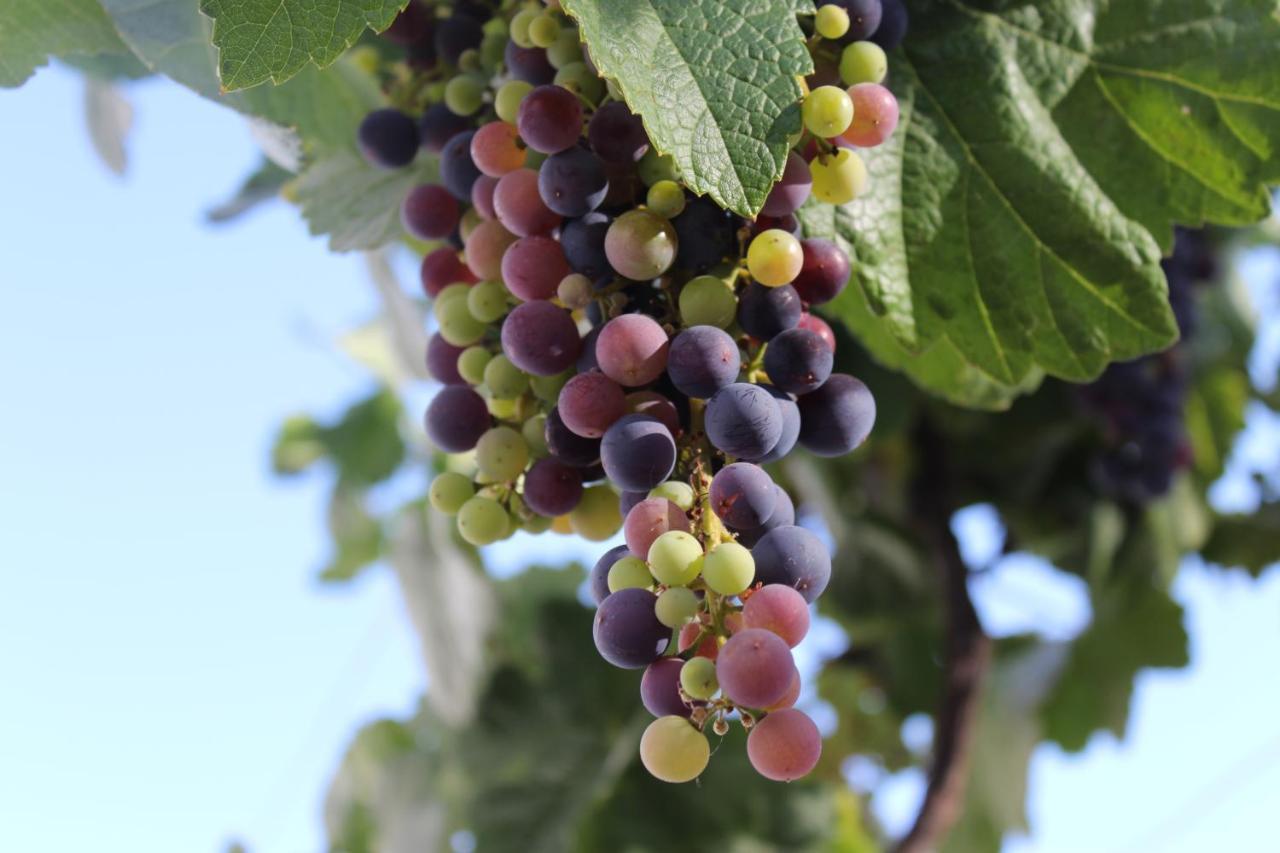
{"x": 356, "y": 535}
{"x": 173, "y": 39}
{"x": 1246, "y": 541}
{"x": 356, "y": 204}
{"x": 365, "y": 444}
{"x": 262, "y": 185}
{"x": 1015, "y": 220}
{"x": 31, "y": 31}
{"x": 714, "y": 82}
{"x": 261, "y": 40}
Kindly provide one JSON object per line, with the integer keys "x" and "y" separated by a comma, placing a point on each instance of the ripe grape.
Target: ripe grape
{"x": 501, "y": 454}
{"x": 456, "y": 34}
{"x": 488, "y": 301}
{"x": 540, "y": 338}
{"x": 483, "y": 521}
{"x": 827, "y": 111}
{"x": 705, "y": 235}
{"x": 640, "y": 245}
{"x": 754, "y": 668}
{"x": 573, "y": 182}
{"x": 596, "y": 516}
{"x": 783, "y": 515}
{"x": 837, "y": 417}
{"x": 698, "y": 678}
{"x": 792, "y": 190}
{"x": 533, "y": 267}
{"x": 442, "y": 361}
{"x": 798, "y": 361}
{"x": 676, "y": 606}
{"x": 789, "y": 698}
{"x": 388, "y": 138}
{"x": 598, "y": 581}
{"x": 482, "y": 197}
{"x": 864, "y": 17}
{"x": 876, "y": 115}
{"x": 630, "y": 573}
{"x": 413, "y": 24}
{"x": 766, "y": 312}
{"x": 702, "y": 360}
{"x": 632, "y": 349}
{"x": 449, "y": 491}
{"x": 819, "y": 326}
{"x": 627, "y": 633}
{"x": 784, "y": 746}
{"x": 485, "y": 248}
{"x": 438, "y": 125}
{"x": 893, "y": 25}
{"x": 779, "y": 609}
{"x": 660, "y": 688}
{"x": 503, "y": 379}
{"x": 567, "y": 446}
{"x": 519, "y": 206}
{"x": 550, "y": 119}
{"x": 590, "y": 403}
{"x": 675, "y": 558}
{"x": 496, "y": 149}
{"x": 707, "y": 645}
{"x": 708, "y": 301}
{"x": 638, "y": 452}
{"x": 742, "y": 495}
{"x": 617, "y": 135}
{"x": 794, "y": 557}
{"x": 441, "y": 268}
{"x": 649, "y": 519}
{"x": 728, "y": 568}
{"x": 655, "y": 405}
{"x": 429, "y": 212}
{"x": 528, "y": 64}
{"x": 743, "y": 420}
{"x": 863, "y": 62}
{"x": 627, "y": 500}
{"x": 583, "y": 243}
{"x": 673, "y": 750}
{"x": 457, "y": 170}
{"x": 838, "y": 178}
{"x": 824, "y": 273}
{"x": 790, "y": 425}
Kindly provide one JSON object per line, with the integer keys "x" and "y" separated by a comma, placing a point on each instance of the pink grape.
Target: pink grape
{"x": 779, "y": 609}
{"x": 496, "y": 149}
{"x": 707, "y": 647}
{"x": 784, "y": 746}
{"x": 429, "y": 212}
{"x": 519, "y": 206}
{"x": 533, "y": 266}
{"x": 754, "y": 668}
{"x": 791, "y": 696}
{"x": 655, "y": 405}
{"x": 648, "y": 520}
{"x": 589, "y": 403}
{"x": 485, "y": 247}
{"x": 441, "y": 268}
{"x": 632, "y": 349}
{"x": 875, "y": 115}
{"x": 482, "y": 196}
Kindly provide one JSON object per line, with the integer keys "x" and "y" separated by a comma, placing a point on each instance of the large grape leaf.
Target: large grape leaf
{"x": 714, "y": 82}
{"x": 1015, "y": 221}
{"x": 172, "y": 38}
{"x": 261, "y": 40}
{"x": 356, "y": 204}
{"x": 33, "y": 30}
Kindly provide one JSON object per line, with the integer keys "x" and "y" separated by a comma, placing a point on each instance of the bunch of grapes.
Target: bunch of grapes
{"x": 618, "y": 353}
{"x": 1140, "y": 404}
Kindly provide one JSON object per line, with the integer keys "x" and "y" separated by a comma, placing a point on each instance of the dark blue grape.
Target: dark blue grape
{"x": 766, "y": 312}
{"x": 894, "y": 22}
{"x": 583, "y": 244}
{"x": 587, "y": 358}
{"x": 743, "y": 495}
{"x": 457, "y": 34}
{"x": 456, "y": 418}
{"x": 864, "y": 17}
{"x": 572, "y": 183}
{"x": 660, "y": 689}
{"x": 824, "y": 273}
{"x": 457, "y": 170}
{"x": 798, "y": 361}
{"x": 794, "y": 557}
{"x": 743, "y": 420}
{"x": 638, "y": 452}
{"x": 790, "y": 425}
{"x": 388, "y": 138}
{"x": 705, "y": 235}
{"x": 627, "y": 631}
{"x": 528, "y": 64}
{"x": 442, "y": 361}
{"x": 702, "y": 360}
{"x": 551, "y": 487}
{"x": 837, "y": 417}
{"x": 628, "y": 499}
{"x": 784, "y": 515}
{"x": 616, "y": 134}
{"x": 566, "y": 445}
{"x": 438, "y": 125}
{"x": 598, "y": 581}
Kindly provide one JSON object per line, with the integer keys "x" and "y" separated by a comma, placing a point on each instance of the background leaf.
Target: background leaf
{"x": 109, "y": 117}
{"x": 33, "y": 30}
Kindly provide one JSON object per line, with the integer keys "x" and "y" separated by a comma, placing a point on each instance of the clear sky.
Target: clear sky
{"x": 174, "y": 676}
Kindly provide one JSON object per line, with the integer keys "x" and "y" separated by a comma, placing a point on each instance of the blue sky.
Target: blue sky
{"x": 175, "y": 676}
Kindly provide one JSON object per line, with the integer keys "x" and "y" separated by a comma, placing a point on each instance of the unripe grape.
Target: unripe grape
{"x": 666, "y": 198}
{"x": 698, "y": 678}
{"x": 506, "y": 102}
{"x": 596, "y": 517}
{"x": 654, "y": 167}
{"x": 534, "y": 432}
{"x": 449, "y": 491}
{"x": 827, "y": 111}
{"x": 503, "y": 379}
{"x": 831, "y": 22}
{"x": 543, "y": 30}
{"x": 464, "y": 95}
{"x": 863, "y": 62}
{"x": 676, "y": 605}
{"x": 581, "y": 80}
{"x": 708, "y": 301}
{"x": 630, "y": 572}
{"x": 675, "y": 558}
{"x": 487, "y": 301}
{"x": 482, "y": 521}
{"x": 672, "y": 750}
{"x": 679, "y": 493}
{"x": 774, "y": 257}
{"x": 728, "y": 568}
{"x": 838, "y": 178}
{"x": 519, "y": 27}
{"x": 574, "y": 291}
{"x": 640, "y": 245}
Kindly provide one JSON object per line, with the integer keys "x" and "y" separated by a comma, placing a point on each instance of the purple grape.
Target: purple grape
{"x": 754, "y": 668}
{"x": 438, "y": 125}
{"x": 533, "y": 266}
{"x": 660, "y": 689}
{"x": 457, "y": 170}
{"x": 655, "y": 405}
{"x": 632, "y": 349}
{"x": 765, "y": 312}
{"x": 519, "y": 206}
{"x": 573, "y": 182}
{"x": 627, "y": 631}
{"x": 791, "y": 191}
{"x": 455, "y": 35}
{"x": 587, "y": 358}
{"x": 893, "y": 24}
{"x": 628, "y": 499}
{"x": 442, "y": 361}
{"x": 824, "y": 273}
{"x": 550, "y": 119}
{"x": 429, "y": 212}
{"x": 705, "y": 235}
{"x": 590, "y": 403}
{"x": 638, "y": 452}
{"x": 551, "y": 487}
{"x": 794, "y": 557}
{"x": 702, "y": 360}
{"x": 616, "y": 134}
{"x": 528, "y": 64}
{"x": 456, "y": 418}
{"x": 388, "y": 138}
{"x": 540, "y": 338}
{"x": 784, "y": 515}
{"x": 743, "y": 495}
{"x": 790, "y": 425}
{"x": 598, "y": 580}
{"x": 837, "y": 417}
{"x": 413, "y": 25}
{"x": 583, "y": 243}
{"x": 864, "y": 17}
{"x": 798, "y": 361}
{"x": 566, "y": 445}
{"x": 743, "y": 420}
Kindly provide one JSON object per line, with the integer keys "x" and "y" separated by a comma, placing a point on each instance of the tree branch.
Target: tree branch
{"x": 968, "y": 655}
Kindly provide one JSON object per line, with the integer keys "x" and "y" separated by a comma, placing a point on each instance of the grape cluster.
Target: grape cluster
{"x": 1141, "y": 404}
{"x": 617, "y": 353}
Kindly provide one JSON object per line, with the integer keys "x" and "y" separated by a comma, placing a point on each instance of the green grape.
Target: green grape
{"x": 449, "y": 491}
{"x": 464, "y": 95}
{"x": 666, "y": 198}
{"x": 774, "y": 258}
{"x": 534, "y": 159}
{"x": 596, "y": 517}
{"x": 654, "y": 167}
{"x": 675, "y": 558}
{"x": 629, "y": 572}
{"x": 469, "y": 61}
{"x": 838, "y": 178}
{"x": 520, "y": 24}
{"x": 672, "y": 750}
{"x": 675, "y": 606}
{"x": 457, "y": 326}
{"x": 433, "y": 92}
{"x": 461, "y": 463}
{"x": 543, "y": 30}
{"x": 487, "y": 301}
{"x": 698, "y": 677}
{"x": 581, "y": 80}
{"x": 450, "y": 292}
{"x": 535, "y": 523}
{"x": 506, "y": 102}
{"x": 493, "y": 51}
{"x": 574, "y": 291}
{"x": 495, "y": 26}
{"x": 831, "y": 22}
{"x": 534, "y": 431}
{"x": 729, "y": 568}
{"x": 504, "y": 409}
{"x": 566, "y": 48}
{"x": 501, "y": 454}
{"x": 863, "y": 62}
{"x": 482, "y": 521}
{"x": 471, "y": 364}
{"x": 708, "y": 301}
{"x": 827, "y": 111}
{"x": 547, "y": 388}
{"x": 504, "y": 379}
{"x": 676, "y": 491}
